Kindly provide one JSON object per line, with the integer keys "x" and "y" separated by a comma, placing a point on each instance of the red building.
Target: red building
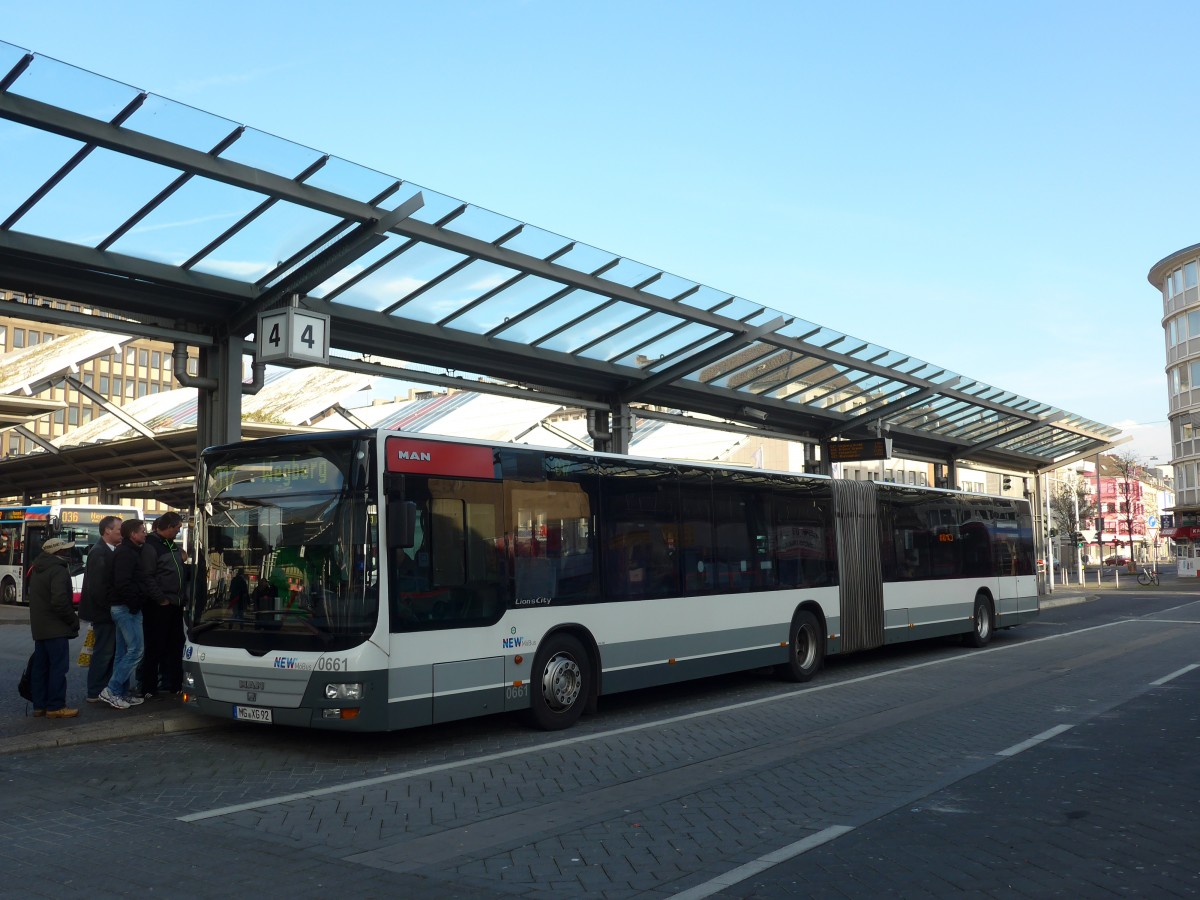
{"x": 1122, "y": 508}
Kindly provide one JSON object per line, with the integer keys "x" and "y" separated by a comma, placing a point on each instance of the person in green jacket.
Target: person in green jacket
{"x": 54, "y": 623}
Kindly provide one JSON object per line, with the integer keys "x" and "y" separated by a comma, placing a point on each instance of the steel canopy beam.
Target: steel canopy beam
{"x": 903, "y": 403}
{"x": 89, "y": 322}
{"x": 125, "y": 275}
{"x": 134, "y": 423}
{"x": 698, "y": 360}
{"x": 332, "y": 259}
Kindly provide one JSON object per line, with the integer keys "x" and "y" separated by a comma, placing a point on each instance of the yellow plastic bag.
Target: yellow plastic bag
{"x": 89, "y": 644}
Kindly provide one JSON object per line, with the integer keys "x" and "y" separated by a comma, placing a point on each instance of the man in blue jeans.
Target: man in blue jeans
{"x": 128, "y": 595}
{"x": 54, "y": 624}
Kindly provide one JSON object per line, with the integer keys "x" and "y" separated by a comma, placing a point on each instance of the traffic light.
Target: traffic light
{"x": 1005, "y": 483}
{"x": 1079, "y": 542}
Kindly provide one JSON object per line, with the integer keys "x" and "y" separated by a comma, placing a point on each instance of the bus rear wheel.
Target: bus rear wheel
{"x": 8, "y": 591}
{"x": 806, "y": 648}
{"x": 983, "y": 622}
{"x": 561, "y": 684}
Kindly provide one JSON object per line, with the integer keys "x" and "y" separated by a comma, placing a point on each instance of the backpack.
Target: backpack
{"x": 25, "y": 685}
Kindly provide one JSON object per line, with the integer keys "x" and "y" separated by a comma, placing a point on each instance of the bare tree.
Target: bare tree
{"x": 1129, "y": 466}
{"x": 1070, "y": 505}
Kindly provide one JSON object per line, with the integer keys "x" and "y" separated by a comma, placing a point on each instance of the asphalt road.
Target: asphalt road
{"x": 1061, "y": 760}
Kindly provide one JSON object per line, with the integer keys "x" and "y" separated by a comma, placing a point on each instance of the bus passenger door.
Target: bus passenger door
{"x": 1016, "y": 579}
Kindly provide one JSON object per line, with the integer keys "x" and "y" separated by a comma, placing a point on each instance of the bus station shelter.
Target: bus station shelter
{"x": 167, "y": 222}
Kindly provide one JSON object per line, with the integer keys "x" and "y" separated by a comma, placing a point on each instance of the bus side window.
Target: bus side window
{"x": 737, "y": 568}
{"x": 696, "y": 542}
{"x": 976, "y": 552}
{"x": 640, "y": 543}
{"x": 803, "y": 543}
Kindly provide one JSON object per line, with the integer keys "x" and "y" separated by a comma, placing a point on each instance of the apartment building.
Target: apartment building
{"x": 1177, "y": 278}
{"x": 131, "y": 369}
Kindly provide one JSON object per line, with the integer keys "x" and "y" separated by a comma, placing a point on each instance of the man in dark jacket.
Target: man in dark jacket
{"x": 164, "y": 564}
{"x": 129, "y": 593}
{"x": 95, "y": 605}
{"x": 53, "y": 622}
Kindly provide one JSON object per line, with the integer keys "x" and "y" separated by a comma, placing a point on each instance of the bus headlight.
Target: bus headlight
{"x": 350, "y": 690}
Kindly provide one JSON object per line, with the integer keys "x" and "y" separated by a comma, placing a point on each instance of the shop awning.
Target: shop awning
{"x": 1183, "y": 533}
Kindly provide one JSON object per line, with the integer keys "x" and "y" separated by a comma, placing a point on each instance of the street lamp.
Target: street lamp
{"x": 1154, "y": 536}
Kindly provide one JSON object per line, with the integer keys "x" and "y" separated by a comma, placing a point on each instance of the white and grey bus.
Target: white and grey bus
{"x": 373, "y": 580}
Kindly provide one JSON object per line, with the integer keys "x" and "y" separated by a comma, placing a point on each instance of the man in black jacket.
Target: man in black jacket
{"x": 54, "y": 624}
{"x": 95, "y": 605}
{"x": 128, "y": 596}
{"x": 163, "y": 561}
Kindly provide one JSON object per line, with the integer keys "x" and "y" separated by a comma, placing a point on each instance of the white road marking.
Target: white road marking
{"x": 1035, "y": 740}
{"x": 604, "y": 735}
{"x": 1175, "y": 674}
{"x": 750, "y": 869}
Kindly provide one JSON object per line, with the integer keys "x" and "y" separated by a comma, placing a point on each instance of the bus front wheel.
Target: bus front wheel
{"x": 983, "y": 622}
{"x": 8, "y": 591}
{"x": 560, "y": 685}
{"x": 806, "y": 648}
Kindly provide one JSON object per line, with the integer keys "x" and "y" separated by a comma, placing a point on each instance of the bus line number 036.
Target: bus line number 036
{"x": 333, "y": 664}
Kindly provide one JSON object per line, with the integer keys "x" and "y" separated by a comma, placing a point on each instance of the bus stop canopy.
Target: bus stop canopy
{"x": 188, "y": 226}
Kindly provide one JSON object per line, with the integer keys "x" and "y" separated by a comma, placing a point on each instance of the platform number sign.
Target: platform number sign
{"x": 293, "y": 335}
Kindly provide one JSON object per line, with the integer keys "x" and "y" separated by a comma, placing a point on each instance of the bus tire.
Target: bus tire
{"x": 983, "y": 623}
{"x": 806, "y": 648}
{"x": 561, "y": 684}
{"x": 8, "y": 591}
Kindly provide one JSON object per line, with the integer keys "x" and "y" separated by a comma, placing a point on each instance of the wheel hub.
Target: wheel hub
{"x": 561, "y": 683}
{"x": 805, "y": 647}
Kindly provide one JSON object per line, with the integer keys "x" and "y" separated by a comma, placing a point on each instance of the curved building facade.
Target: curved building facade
{"x": 1178, "y": 278}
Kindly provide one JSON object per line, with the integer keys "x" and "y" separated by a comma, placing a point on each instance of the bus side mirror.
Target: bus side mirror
{"x": 401, "y": 523}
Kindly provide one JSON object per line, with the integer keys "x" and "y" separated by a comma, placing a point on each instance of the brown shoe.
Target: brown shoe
{"x": 64, "y": 713}
{"x": 38, "y": 713}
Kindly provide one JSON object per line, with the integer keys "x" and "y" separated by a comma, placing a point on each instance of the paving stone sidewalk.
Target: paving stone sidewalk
{"x": 20, "y": 731}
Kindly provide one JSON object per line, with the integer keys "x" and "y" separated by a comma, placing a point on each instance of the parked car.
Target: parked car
{"x": 1116, "y": 560}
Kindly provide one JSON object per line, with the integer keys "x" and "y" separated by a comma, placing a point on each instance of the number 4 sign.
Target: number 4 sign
{"x": 293, "y": 335}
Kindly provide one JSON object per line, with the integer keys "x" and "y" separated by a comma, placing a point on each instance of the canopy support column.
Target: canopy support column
{"x": 945, "y": 475}
{"x": 819, "y": 464}
{"x": 611, "y": 430}
{"x": 219, "y": 393}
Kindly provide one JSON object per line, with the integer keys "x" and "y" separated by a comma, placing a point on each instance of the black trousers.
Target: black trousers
{"x": 162, "y": 666}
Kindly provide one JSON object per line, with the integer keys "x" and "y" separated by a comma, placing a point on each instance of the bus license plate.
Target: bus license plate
{"x": 252, "y": 714}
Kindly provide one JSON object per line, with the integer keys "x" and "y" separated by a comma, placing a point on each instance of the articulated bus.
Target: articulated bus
{"x": 23, "y": 530}
{"x": 372, "y": 580}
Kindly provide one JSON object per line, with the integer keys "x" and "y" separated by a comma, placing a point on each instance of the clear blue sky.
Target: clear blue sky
{"x": 983, "y": 186}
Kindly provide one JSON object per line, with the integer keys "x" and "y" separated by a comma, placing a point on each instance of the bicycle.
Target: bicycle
{"x": 1148, "y": 576}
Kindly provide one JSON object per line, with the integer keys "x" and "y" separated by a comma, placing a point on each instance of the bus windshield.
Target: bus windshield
{"x": 290, "y": 553}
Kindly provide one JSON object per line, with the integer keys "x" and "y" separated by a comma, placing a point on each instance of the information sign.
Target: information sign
{"x": 293, "y": 335}
{"x": 856, "y": 451}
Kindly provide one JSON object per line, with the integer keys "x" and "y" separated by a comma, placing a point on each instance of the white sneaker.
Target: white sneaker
{"x": 113, "y": 700}
{"x": 134, "y": 700}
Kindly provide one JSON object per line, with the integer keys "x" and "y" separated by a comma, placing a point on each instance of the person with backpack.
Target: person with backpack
{"x": 54, "y": 624}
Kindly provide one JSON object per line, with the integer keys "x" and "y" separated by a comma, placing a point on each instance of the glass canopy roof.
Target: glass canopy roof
{"x": 130, "y": 189}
